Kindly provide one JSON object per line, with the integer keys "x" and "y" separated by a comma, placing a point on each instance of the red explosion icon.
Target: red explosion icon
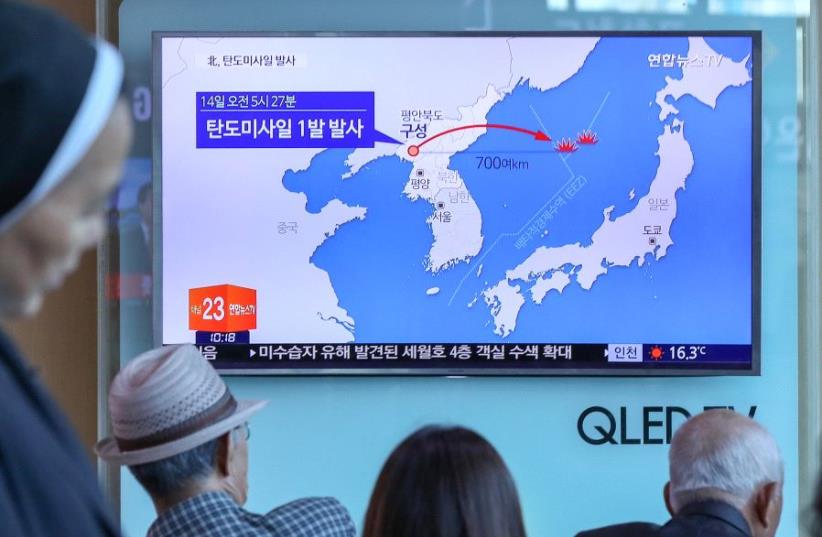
{"x": 566, "y": 145}
{"x": 587, "y": 138}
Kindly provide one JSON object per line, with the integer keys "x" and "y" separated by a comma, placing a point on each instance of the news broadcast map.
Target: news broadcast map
{"x": 462, "y": 189}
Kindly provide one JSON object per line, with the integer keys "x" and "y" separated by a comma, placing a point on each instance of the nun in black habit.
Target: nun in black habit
{"x": 64, "y": 133}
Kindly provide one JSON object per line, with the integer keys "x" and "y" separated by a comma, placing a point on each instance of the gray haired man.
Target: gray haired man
{"x": 726, "y": 478}
{"x": 185, "y": 438}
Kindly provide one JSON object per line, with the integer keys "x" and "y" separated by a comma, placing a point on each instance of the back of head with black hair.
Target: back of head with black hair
{"x": 444, "y": 482}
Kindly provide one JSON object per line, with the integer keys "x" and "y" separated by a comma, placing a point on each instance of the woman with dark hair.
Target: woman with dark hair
{"x": 444, "y": 482}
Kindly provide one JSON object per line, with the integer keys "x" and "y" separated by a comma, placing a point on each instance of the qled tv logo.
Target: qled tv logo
{"x": 647, "y": 425}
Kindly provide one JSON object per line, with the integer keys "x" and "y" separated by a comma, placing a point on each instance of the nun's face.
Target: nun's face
{"x": 39, "y": 251}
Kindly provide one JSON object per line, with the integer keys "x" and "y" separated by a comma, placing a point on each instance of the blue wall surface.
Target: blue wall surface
{"x": 329, "y": 436}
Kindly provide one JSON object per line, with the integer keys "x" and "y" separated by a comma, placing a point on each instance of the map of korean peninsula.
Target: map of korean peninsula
{"x": 483, "y": 189}
{"x": 624, "y": 240}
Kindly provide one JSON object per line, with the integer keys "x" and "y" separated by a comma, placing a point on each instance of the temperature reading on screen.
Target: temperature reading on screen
{"x": 687, "y": 352}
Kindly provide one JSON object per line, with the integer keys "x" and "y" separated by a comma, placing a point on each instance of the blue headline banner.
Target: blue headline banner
{"x": 306, "y": 119}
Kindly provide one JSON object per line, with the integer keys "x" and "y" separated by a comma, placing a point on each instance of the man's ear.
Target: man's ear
{"x": 666, "y": 493}
{"x": 765, "y": 497}
{"x": 223, "y": 455}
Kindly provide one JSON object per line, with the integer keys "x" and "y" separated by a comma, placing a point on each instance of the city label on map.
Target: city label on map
{"x": 307, "y": 119}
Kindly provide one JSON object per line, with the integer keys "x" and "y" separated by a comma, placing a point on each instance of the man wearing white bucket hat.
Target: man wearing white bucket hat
{"x": 184, "y": 437}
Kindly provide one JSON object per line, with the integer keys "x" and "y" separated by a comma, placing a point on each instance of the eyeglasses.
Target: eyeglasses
{"x": 243, "y": 431}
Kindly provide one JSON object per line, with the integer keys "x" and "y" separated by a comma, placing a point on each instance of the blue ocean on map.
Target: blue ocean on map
{"x": 699, "y": 292}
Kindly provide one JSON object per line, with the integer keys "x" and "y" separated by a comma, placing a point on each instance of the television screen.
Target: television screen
{"x": 459, "y": 203}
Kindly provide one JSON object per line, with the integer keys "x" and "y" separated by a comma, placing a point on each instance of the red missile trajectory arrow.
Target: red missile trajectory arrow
{"x": 414, "y": 150}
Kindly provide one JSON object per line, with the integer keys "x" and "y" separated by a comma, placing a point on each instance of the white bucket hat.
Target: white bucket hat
{"x": 168, "y": 401}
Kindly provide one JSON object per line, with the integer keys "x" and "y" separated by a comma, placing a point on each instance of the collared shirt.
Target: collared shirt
{"x": 709, "y": 518}
{"x": 216, "y": 514}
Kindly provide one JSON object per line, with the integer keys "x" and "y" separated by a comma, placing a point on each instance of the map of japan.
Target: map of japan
{"x": 517, "y": 189}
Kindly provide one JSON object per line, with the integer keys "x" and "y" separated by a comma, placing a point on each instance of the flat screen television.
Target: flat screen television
{"x": 472, "y": 203}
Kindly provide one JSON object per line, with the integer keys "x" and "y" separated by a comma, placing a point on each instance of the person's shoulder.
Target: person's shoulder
{"x": 630, "y": 529}
{"x": 312, "y": 517}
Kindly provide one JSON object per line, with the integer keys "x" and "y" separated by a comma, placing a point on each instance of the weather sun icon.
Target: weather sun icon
{"x": 656, "y": 353}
